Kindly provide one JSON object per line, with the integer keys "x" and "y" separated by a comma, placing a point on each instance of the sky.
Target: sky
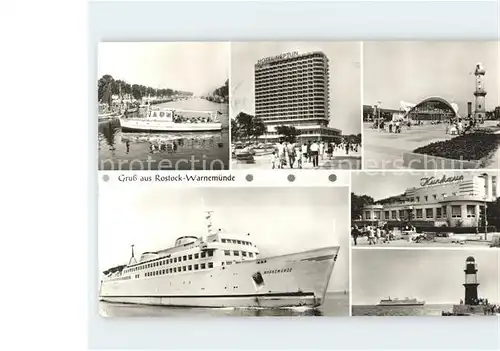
{"x": 381, "y": 185}
{"x": 198, "y": 67}
{"x": 279, "y": 220}
{"x": 345, "y": 77}
{"x": 435, "y": 276}
{"x": 412, "y": 71}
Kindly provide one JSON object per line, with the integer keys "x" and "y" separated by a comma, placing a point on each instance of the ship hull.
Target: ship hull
{"x": 155, "y": 126}
{"x": 401, "y": 304}
{"x": 299, "y": 279}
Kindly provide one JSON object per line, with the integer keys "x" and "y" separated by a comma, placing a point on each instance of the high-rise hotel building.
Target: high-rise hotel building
{"x": 293, "y": 89}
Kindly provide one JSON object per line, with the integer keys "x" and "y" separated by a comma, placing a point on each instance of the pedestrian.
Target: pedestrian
{"x": 291, "y": 153}
{"x": 314, "y": 154}
{"x": 355, "y": 233}
{"x": 274, "y": 160}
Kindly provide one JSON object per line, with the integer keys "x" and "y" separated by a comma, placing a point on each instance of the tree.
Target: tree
{"x": 235, "y": 133}
{"x": 357, "y": 204}
{"x": 288, "y": 133}
{"x": 493, "y": 213}
{"x": 248, "y": 126}
{"x": 136, "y": 91}
{"x": 102, "y": 85}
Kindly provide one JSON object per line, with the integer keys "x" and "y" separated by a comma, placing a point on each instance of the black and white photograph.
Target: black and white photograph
{"x": 441, "y": 282}
{"x": 425, "y": 209}
{"x": 223, "y": 251}
{"x": 296, "y": 105}
{"x": 431, "y": 105}
{"x": 163, "y": 106}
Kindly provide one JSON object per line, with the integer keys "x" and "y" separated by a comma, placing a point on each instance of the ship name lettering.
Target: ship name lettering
{"x": 124, "y": 178}
{"x": 277, "y": 271}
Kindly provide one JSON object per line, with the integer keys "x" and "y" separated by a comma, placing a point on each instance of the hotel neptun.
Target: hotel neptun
{"x": 293, "y": 89}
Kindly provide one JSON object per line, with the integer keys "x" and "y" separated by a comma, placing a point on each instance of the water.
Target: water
{"x": 336, "y": 304}
{"x": 176, "y": 151}
{"x": 426, "y": 310}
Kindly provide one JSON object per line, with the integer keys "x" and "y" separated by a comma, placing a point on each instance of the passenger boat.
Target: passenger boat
{"x": 172, "y": 120}
{"x": 220, "y": 270}
{"x": 403, "y": 302}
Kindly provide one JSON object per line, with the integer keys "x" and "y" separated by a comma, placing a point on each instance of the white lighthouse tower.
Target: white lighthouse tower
{"x": 480, "y": 94}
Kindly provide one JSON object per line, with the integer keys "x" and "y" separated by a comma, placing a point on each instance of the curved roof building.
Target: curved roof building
{"x": 431, "y": 108}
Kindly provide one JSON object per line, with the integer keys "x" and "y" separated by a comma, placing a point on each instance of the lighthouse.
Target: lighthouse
{"x": 470, "y": 281}
{"x": 480, "y": 93}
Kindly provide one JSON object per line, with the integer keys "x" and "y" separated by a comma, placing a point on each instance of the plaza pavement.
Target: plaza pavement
{"x": 363, "y": 242}
{"x": 339, "y": 161}
{"x": 384, "y": 150}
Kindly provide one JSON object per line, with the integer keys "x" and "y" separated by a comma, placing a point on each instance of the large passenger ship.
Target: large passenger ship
{"x": 403, "y": 302}
{"x": 220, "y": 270}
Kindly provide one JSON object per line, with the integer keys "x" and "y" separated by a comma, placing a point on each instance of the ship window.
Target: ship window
{"x": 238, "y": 241}
{"x": 210, "y": 253}
{"x": 190, "y": 268}
{"x": 229, "y": 262}
{"x": 195, "y": 267}
{"x": 163, "y": 272}
{"x": 243, "y": 253}
{"x": 184, "y": 258}
{"x": 175, "y": 259}
{"x": 202, "y": 266}
{"x": 223, "y": 240}
{"x": 234, "y": 241}
{"x": 211, "y": 264}
{"x": 190, "y": 257}
{"x": 171, "y": 260}
{"x": 170, "y": 270}
{"x": 203, "y": 255}
{"x": 227, "y": 252}
{"x": 183, "y": 268}
{"x": 236, "y": 253}
{"x": 250, "y": 254}
{"x": 196, "y": 256}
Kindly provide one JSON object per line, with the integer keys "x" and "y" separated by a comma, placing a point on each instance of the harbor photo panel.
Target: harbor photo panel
{"x": 223, "y": 251}
{"x": 406, "y": 282}
{"x": 163, "y": 105}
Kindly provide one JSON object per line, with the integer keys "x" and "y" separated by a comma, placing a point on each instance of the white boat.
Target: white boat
{"x": 221, "y": 270}
{"x": 172, "y": 120}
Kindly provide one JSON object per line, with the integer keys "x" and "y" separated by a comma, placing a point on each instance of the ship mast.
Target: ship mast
{"x": 208, "y": 217}
{"x": 132, "y": 258}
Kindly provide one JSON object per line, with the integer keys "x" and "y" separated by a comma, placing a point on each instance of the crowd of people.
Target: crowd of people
{"x": 376, "y": 234}
{"x": 456, "y": 125}
{"x": 487, "y": 307}
{"x": 294, "y": 154}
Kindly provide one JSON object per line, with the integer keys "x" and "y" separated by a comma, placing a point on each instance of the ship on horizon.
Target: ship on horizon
{"x": 221, "y": 270}
{"x": 400, "y": 302}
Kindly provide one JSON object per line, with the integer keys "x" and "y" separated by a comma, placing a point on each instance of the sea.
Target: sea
{"x": 336, "y": 304}
{"x": 173, "y": 150}
{"x": 426, "y": 310}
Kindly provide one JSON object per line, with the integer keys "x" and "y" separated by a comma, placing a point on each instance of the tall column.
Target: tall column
{"x": 463, "y": 211}
{"x": 478, "y": 211}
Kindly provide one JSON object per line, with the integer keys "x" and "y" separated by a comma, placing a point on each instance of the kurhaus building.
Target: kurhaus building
{"x": 453, "y": 201}
{"x": 292, "y": 89}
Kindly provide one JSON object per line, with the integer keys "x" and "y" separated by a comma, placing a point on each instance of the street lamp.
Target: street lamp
{"x": 378, "y": 114}
{"x": 485, "y": 198}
